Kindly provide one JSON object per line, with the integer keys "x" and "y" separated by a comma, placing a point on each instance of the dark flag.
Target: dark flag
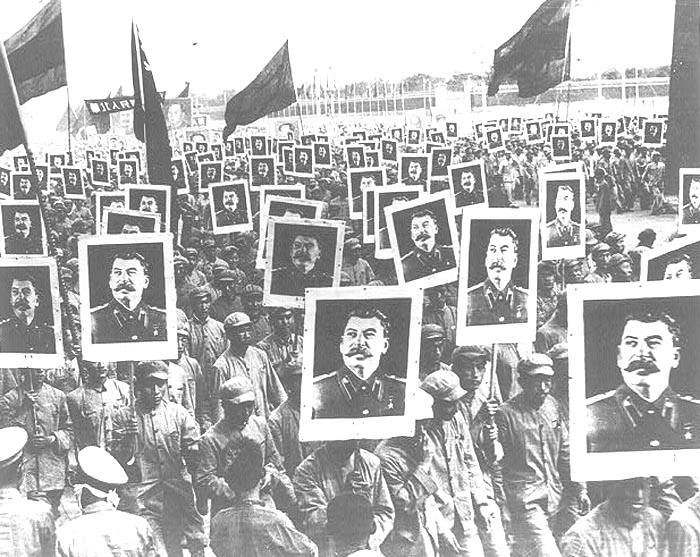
{"x": 272, "y": 90}
{"x": 536, "y": 56}
{"x": 683, "y": 134}
{"x": 185, "y": 92}
{"x": 11, "y": 129}
{"x": 36, "y": 54}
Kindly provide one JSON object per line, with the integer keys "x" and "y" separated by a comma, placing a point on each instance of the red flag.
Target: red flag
{"x": 11, "y": 129}
{"x": 185, "y": 92}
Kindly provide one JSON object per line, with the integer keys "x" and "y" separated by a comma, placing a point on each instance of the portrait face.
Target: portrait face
{"x": 305, "y": 252}
{"x": 4, "y": 178}
{"x": 322, "y": 152}
{"x": 390, "y": 148}
{"x": 128, "y": 280}
{"x": 532, "y": 130}
{"x": 23, "y": 223}
{"x": 24, "y": 185}
{"x": 72, "y": 179}
{"x": 355, "y": 156}
{"x": 679, "y": 270}
{"x": 148, "y": 204}
{"x": 467, "y": 181}
{"x": 128, "y": 228}
{"x": 587, "y": 127}
{"x": 24, "y": 299}
{"x": 414, "y": 170}
{"x": 564, "y": 204}
{"x": 646, "y": 355}
{"x": 366, "y": 182}
{"x": 362, "y": 345}
{"x": 40, "y": 174}
{"x": 175, "y": 171}
{"x": 561, "y": 145}
{"x": 303, "y": 157}
{"x": 423, "y": 232}
{"x": 258, "y": 145}
{"x": 262, "y": 169}
{"x": 211, "y": 173}
{"x": 608, "y": 130}
{"x": 128, "y": 170}
{"x": 493, "y": 137}
{"x": 441, "y": 159}
{"x": 175, "y": 114}
{"x": 230, "y": 200}
{"x": 501, "y": 258}
{"x": 115, "y": 205}
{"x": 694, "y": 194}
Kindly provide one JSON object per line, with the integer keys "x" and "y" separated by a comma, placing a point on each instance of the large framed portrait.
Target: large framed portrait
{"x": 210, "y": 172}
{"x": 359, "y": 180}
{"x": 127, "y": 297}
{"x": 262, "y": 171}
{"x": 653, "y": 134}
{"x": 440, "y": 161}
{"x": 413, "y": 136}
{"x": 21, "y": 163}
{"x": 383, "y": 198}
{"x": 178, "y": 113}
{"x": 23, "y": 187}
{"x": 424, "y": 241}
{"x": 355, "y": 156}
{"x": 302, "y": 254}
{"x": 125, "y": 221}
{"x": 675, "y": 260}
{"x": 688, "y": 200}
{"x": 533, "y": 132}
{"x": 304, "y": 162}
{"x": 360, "y": 335}
{"x": 308, "y": 139}
{"x": 30, "y": 313}
{"x": 397, "y": 135}
{"x": 127, "y": 172}
{"x": 608, "y": 133}
{"x": 100, "y": 172}
{"x": 389, "y": 150}
{"x": 105, "y": 200}
{"x": 180, "y": 175}
{"x": 151, "y": 199}
{"x": 497, "y": 299}
{"x": 322, "y": 155}
{"x": 281, "y": 146}
{"x": 468, "y": 184}
{"x": 372, "y": 158}
{"x": 56, "y": 162}
{"x": 414, "y": 169}
{"x": 561, "y": 147}
{"x": 587, "y": 128}
{"x": 633, "y": 380}
{"x": 561, "y": 128}
{"x": 230, "y": 207}
{"x": 258, "y": 145}
{"x": 451, "y": 130}
{"x": 23, "y": 231}
{"x": 74, "y": 185}
{"x": 494, "y": 140}
{"x": 563, "y": 205}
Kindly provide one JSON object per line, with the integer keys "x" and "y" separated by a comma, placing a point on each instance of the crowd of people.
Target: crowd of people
{"x": 203, "y": 451}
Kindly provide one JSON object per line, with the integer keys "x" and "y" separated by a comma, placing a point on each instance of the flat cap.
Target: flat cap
{"x": 432, "y": 331}
{"x": 614, "y": 237}
{"x": 180, "y": 260}
{"x": 237, "y": 390}
{"x": 228, "y": 250}
{"x": 12, "y": 442}
{"x": 471, "y": 353}
{"x": 199, "y": 292}
{"x": 252, "y": 290}
{"x": 602, "y": 247}
{"x": 98, "y": 465}
{"x": 352, "y": 243}
{"x": 618, "y": 259}
{"x": 443, "y": 385}
{"x": 535, "y": 364}
{"x": 228, "y": 276}
{"x": 208, "y": 243}
{"x": 152, "y": 368}
{"x": 559, "y": 351}
{"x": 236, "y": 319}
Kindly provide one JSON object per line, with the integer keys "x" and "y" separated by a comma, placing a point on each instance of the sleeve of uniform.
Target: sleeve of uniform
{"x": 574, "y": 544}
{"x": 46, "y": 530}
{"x": 276, "y": 394}
{"x": 383, "y": 509}
{"x": 8, "y": 404}
{"x": 283, "y": 490}
{"x": 121, "y": 445}
{"x": 64, "y": 433}
{"x": 681, "y": 539}
{"x": 205, "y": 478}
{"x": 189, "y": 430}
{"x": 476, "y": 478}
{"x": 311, "y": 499}
{"x": 292, "y": 542}
{"x": 504, "y": 432}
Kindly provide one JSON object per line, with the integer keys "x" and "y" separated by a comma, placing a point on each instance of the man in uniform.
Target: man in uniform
{"x": 102, "y": 529}
{"x": 283, "y": 341}
{"x": 292, "y": 280}
{"x": 24, "y": 188}
{"x": 427, "y": 257}
{"x": 467, "y": 193}
{"x": 148, "y": 204}
{"x": 28, "y": 526}
{"x": 497, "y": 299}
{"x": 126, "y": 318}
{"x": 229, "y": 214}
{"x": 361, "y": 388}
{"x": 414, "y": 174}
{"x": 562, "y": 231}
{"x": 25, "y": 240}
{"x": 643, "y": 413}
{"x": 128, "y": 172}
{"x": 691, "y": 210}
{"x": 21, "y": 332}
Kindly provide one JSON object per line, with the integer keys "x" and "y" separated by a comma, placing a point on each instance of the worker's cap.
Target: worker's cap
{"x": 179, "y": 260}
{"x": 535, "y": 364}
{"x": 98, "y": 466}
{"x": 12, "y": 442}
{"x": 277, "y": 312}
{"x": 601, "y": 248}
{"x": 443, "y": 385}
{"x": 559, "y": 351}
{"x": 352, "y": 243}
{"x": 471, "y": 353}
{"x": 200, "y": 292}
{"x": 618, "y": 259}
{"x": 591, "y": 240}
{"x": 151, "y": 369}
{"x": 432, "y": 331}
{"x": 614, "y": 237}
{"x": 209, "y": 243}
{"x": 571, "y": 264}
{"x": 219, "y": 268}
{"x": 229, "y": 250}
{"x": 237, "y": 390}
{"x": 236, "y": 319}
{"x": 228, "y": 276}
{"x": 59, "y": 203}
{"x": 252, "y": 290}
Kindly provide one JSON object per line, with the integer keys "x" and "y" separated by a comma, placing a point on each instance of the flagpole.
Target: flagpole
{"x": 70, "y": 149}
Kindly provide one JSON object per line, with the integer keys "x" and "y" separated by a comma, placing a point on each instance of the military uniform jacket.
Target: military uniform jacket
{"x": 224, "y": 217}
{"x": 487, "y": 306}
{"x": 27, "y": 526}
{"x": 690, "y": 215}
{"x": 34, "y": 338}
{"x": 621, "y": 420}
{"x": 113, "y": 323}
{"x": 289, "y": 281}
{"x": 464, "y": 198}
{"x": 16, "y": 244}
{"x": 418, "y": 264}
{"x": 558, "y": 237}
{"x": 341, "y": 394}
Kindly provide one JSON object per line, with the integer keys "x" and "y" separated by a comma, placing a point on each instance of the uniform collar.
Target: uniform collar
{"x": 634, "y": 408}
{"x": 123, "y": 315}
{"x": 351, "y": 385}
{"x": 493, "y": 295}
{"x": 435, "y": 254}
{"x": 564, "y": 230}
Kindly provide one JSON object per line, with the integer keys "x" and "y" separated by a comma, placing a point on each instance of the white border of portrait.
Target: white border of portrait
{"x": 99, "y": 214}
{"x": 396, "y": 150}
{"x": 27, "y": 359}
{"x": 212, "y": 210}
{"x": 386, "y": 253}
{"x": 661, "y": 141}
{"x": 278, "y": 300}
{"x": 471, "y": 164}
{"x": 357, "y": 215}
{"x": 601, "y": 466}
{"x": 565, "y": 252}
{"x": 330, "y": 154}
{"x": 65, "y": 170}
{"x": 437, "y": 279}
{"x": 594, "y": 133}
{"x": 538, "y": 138}
{"x": 663, "y": 249}
{"x": 601, "y": 126}
{"x": 44, "y": 240}
{"x": 497, "y": 333}
{"x": 427, "y": 167}
{"x": 367, "y": 234}
{"x": 273, "y": 170}
{"x": 320, "y": 429}
{"x": 105, "y": 219}
{"x": 128, "y": 351}
{"x": 152, "y": 187}
{"x": 92, "y": 170}
{"x": 408, "y": 136}
{"x": 565, "y": 157}
{"x": 682, "y": 173}
{"x": 498, "y": 148}
{"x": 185, "y": 174}
{"x": 122, "y": 162}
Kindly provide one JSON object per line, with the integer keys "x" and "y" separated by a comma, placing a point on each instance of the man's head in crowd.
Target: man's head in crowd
{"x": 305, "y": 252}
{"x": 239, "y": 330}
{"x": 128, "y": 279}
{"x": 350, "y": 521}
{"x": 501, "y": 256}
{"x": 601, "y": 257}
{"x": 436, "y": 297}
{"x": 151, "y": 382}
{"x": 546, "y": 278}
{"x": 535, "y": 373}
{"x": 23, "y": 223}
{"x": 616, "y": 241}
{"x": 289, "y": 372}
{"x": 620, "y": 268}
{"x": 200, "y": 301}
{"x": 364, "y": 340}
{"x": 629, "y": 500}
{"x": 445, "y": 388}
{"x": 282, "y": 321}
{"x": 469, "y": 363}
{"x": 251, "y": 299}
{"x": 431, "y": 347}
{"x": 238, "y": 401}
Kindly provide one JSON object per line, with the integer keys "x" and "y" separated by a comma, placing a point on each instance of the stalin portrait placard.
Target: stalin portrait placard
{"x": 563, "y": 203}
{"x": 30, "y": 314}
{"x": 127, "y": 297}
{"x": 675, "y": 260}
{"x": 360, "y": 377}
{"x": 634, "y": 385}
{"x": 22, "y": 230}
{"x": 230, "y": 207}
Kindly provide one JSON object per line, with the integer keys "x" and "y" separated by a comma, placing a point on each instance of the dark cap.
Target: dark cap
{"x": 535, "y": 364}
{"x": 152, "y": 368}
{"x": 199, "y": 292}
{"x": 432, "y": 331}
{"x": 252, "y": 290}
{"x": 237, "y": 390}
{"x": 471, "y": 353}
{"x": 618, "y": 259}
{"x": 614, "y": 237}
{"x": 646, "y": 233}
{"x": 352, "y": 243}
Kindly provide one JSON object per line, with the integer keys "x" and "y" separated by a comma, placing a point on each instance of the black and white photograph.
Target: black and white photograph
{"x": 653, "y": 134}
{"x": 397, "y": 134}
{"x": 191, "y": 161}
{"x": 21, "y": 163}
{"x": 355, "y": 156}
{"x": 178, "y": 113}
{"x": 134, "y": 155}
{"x": 107, "y": 200}
{"x": 206, "y": 156}
{"x": 230, "y": 207}
{"x": 229, "y": 149}
{"x": 587, "y": 128}
{"x": 100, "y": 173}
{"x": 608, "y": 133}
{"x": 23, "y": 232}
{"x": 73, "y": 182}
{"x": 322, "y": 155}
{"x": 371, "y": 158}
{"x": 389, "y": 150}
{"x": 414, "y": 169}
{"x": 503, "y": 124}
{"x": 678, "y": 259}
{"x": 358, "y": 181}
{"x": 218, "y": 151}
{"x": 308, "y": 139}
{"x": 360, "y": 377}
{"x": 56, "y": 161}
{"x": 561, "y": 147}
{"x": 497, "y": 282}
{"x": 494, "y": 140}
{"x": 239, "y": 145}
{"x": 262, "y": 171}
{"x": 413, "y": 137}
{"x": 151, "y": 199}
{"x": 210, "y": 172}
{"x": 5, "y": 182}
{"x": 127, "y": 172}
{"x": 368, "y": 215}
{"x": 180, "y": 176}
{"x": 126, "y": 221}
{"x": 688, "y": 200}
{"x": 437, "y": 137}
{"x": 127, "y": 297}
{"x": 468, "y": 184}
{"x": 451, "y": 130}
{"x": 441, "y": 159}
{"x": 561, "y": 128}
{"x": 30, "y": 313}
{"x": 258, "y": 146}
{"x": 42, "y": 177}
{"x": 281, "y": 146}
{"x": 301, "y": 254}
{"x": 424, "y": 241}
{"x": 533, "y": 132}
{"x": 516, "y": 123}
{"x": 22, "y": 186}
{"x": 479, "y": 130}
{"x": 634, "y": 384}
{"x": 384, "y": 197}
{"x": 201, "y": 147}
{"x": 563, "y": 205}
{"x": 304, "y": 162}
{"x": 361, "y": 135}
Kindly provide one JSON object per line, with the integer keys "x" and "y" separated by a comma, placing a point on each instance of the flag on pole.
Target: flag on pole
{"x": 36, "y": 54}
{"x": 272, "y": 90}
{"x": 537, "y": 55}
{"x": 149, "y": 120}
{"x": 11, "y": 129}
{"x": 185, "y": 92}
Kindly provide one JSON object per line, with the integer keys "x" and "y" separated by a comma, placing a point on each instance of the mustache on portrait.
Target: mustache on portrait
{"x": 644, "y": 367}
{"x": 359, "y": 351}
{"x": 301, "y": 256}
{"x": 126, "y": 286}
{"x": 423, "y": 236}
{"x": 21, "y": 305}
{"x": 498, "y": 265}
